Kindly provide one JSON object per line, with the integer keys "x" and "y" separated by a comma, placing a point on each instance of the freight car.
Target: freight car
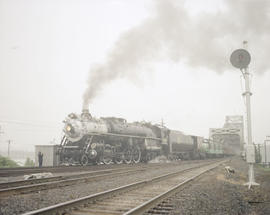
{"x": 106, "y": 140}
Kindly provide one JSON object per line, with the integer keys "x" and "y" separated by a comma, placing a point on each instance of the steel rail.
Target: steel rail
{"x": 5, "y": 185}
{"x": 17, "y": 183}
{"x": 72, "y": 204}
{"x": 7, "y": 172}
{"x": 43, "y": 184}
{"x": 158, "y": 199}
{"x": 18, "y": 171}
{"x": 60, "y": 183}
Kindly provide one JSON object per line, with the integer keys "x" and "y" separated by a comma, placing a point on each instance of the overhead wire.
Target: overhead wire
{"x": 29, "y": 123}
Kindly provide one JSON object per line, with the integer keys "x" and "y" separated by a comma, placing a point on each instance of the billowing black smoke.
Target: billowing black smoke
{"x": 202, "y": 41}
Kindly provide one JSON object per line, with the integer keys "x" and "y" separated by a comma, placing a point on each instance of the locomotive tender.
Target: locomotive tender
{"x": 109, "y": 139}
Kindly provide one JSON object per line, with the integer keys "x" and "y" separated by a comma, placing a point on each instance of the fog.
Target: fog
{"x": 140, "y": 60}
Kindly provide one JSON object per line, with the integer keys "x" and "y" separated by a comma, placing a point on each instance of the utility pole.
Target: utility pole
{"x": 1, "y": 132}
{"x": 162, "y": 122}
{"x": 9, "y": 141}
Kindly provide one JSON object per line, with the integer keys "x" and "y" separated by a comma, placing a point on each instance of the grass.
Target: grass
{"x": 7, "y": 162}
{"x": 262, "y": 167}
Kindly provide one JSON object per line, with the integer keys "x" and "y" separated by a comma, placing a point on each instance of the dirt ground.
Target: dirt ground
{"x": 220, "y": 192}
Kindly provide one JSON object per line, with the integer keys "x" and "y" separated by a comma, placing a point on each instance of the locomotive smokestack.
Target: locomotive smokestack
{"x": 85, "y": 114}
{"x": 85, "y": 110}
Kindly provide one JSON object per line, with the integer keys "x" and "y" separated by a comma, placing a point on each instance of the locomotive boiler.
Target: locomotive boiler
{"x": 87, "y": 139}
{"x": 110, "y": 139}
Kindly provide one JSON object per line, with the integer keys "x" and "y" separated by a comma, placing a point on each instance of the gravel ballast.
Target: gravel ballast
{"x": 220, "y": 192}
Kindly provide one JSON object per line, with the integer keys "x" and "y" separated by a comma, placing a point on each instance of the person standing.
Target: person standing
{"x": 40, "y": 159}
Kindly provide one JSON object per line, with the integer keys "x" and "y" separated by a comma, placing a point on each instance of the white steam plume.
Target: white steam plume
{"x": 202, "y": 41}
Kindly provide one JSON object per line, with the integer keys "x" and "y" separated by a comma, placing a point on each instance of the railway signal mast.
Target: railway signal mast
{"x": 240, "y": 59}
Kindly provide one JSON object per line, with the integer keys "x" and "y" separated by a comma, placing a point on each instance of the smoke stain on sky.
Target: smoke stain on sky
{"x": 203, "y": 41}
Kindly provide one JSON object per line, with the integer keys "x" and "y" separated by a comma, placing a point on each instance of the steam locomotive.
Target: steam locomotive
{"x": 109, "y": 139}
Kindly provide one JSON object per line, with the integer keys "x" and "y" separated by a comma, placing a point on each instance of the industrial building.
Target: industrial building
{"x": 231, "y": 135}
{"x": 264, "y": 151}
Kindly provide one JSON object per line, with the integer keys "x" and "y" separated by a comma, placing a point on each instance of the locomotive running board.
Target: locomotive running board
{"x": 123, "y": 135}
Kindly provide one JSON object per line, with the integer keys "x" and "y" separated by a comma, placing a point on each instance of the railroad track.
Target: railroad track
{"x": 34, "y": 185}
{"x": 136, "y": 198}
{"x": 56, "y": 178}
{"x": 18, "y": 171}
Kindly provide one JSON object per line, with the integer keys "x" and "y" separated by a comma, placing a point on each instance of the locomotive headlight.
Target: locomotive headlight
{"x": 68, "y": 128}
{"x": 93, "y": 145}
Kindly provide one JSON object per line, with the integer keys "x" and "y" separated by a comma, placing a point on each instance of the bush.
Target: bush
{"x": 29, "y": 163}
{"x": 6, "y": 162}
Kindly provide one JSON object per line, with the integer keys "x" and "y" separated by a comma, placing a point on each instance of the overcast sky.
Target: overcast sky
{"x": 140, "y": 60}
